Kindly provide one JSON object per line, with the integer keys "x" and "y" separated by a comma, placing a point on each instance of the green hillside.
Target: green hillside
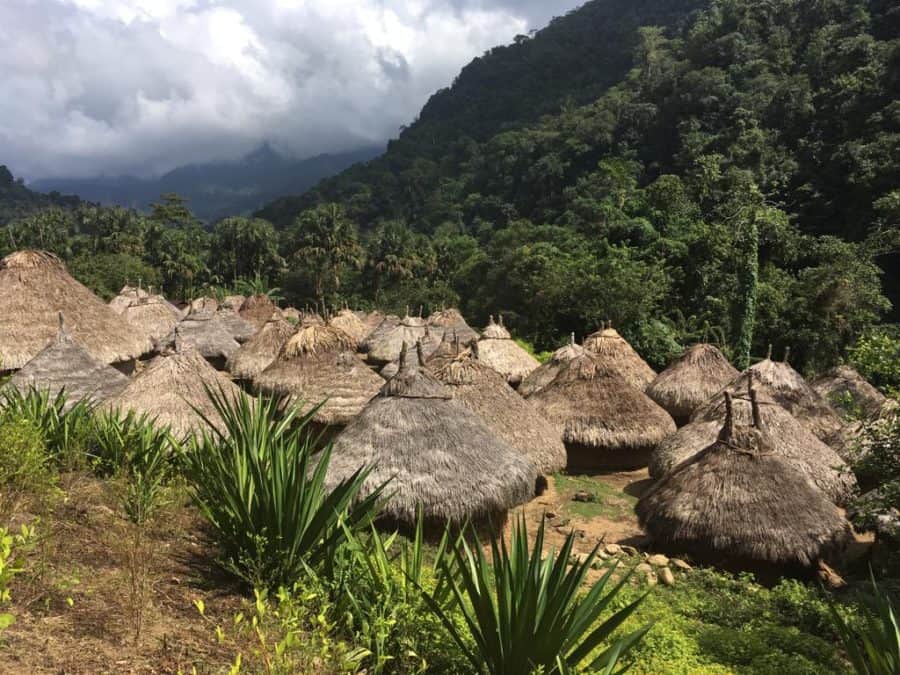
{"x": 16, "y": 200}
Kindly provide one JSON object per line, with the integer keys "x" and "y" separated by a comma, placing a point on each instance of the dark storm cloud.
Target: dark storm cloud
{"x": 140, "y": 86}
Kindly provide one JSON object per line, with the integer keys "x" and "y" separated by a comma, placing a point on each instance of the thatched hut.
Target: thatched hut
{"x": 171, "y": 387}
{"x": 351, "y": 324}
{"x": 427, "y": 345}
{"x": 497, "y": 349}
{"x": 233, "y": 302}
{"x": 204, "y": 303}
{"x": 438, "y": 457}
{"x": 127, "y": 296}
{"x": 371, "y": 320}
{"x": 698, "y": 374}
{"x": 257, "y": 309}
{"x": 606, "y": 423}
{"x": 795, "y": 395}
{"x": 486, "y": 393}
{"x": 790, "y": 438}
{"x": 318, "y": 365}
{"x": 615, "y": 352}
{"x": 237, "y": 326}
{"x": 451, "y": 320}
{"x": 65, "y": 365}
{"x": 291, "y": 314}
{"x": 385, "y": 342}
{"x": 255, "y": 355}
{"x": 544, "y": 374}
{"x": 34, "y": 288}
{"x": 153, "y": 316}
{"x": 447, "y": 349}
{"x": 387, "y": 324}
{"x": 846, "y": 390}
{"x": 208, "y": 334}
{"x": 740, "y": 504}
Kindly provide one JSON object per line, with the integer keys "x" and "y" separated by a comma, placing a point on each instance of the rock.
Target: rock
{"x": 581, "y": 534}
{"x": 603, "y": 555}
{"x": 584, "y": 496}
{"x": 629, "y": 550}
{"x": 666, "y": 576}
{"x": 658, "y": 560}
{"x": 644, "y": 570}
{"x": 613, "y": 549}
{"x": 680, "y": 564}
{"x": 561, "y": 522}
{"x": 651, "y": 579}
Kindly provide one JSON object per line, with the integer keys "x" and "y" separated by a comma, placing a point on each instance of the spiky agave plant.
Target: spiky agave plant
{"x": 259, "y": 485}
{"x": 874, "y": 646}
{"x": 63, "y": 426}
{"x": 525, "y": 612}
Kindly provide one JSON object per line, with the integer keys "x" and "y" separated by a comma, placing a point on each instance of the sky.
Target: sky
{"x": 90, "y": 87}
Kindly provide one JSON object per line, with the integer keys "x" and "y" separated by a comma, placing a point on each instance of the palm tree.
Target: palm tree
{"x": 327, "y": 242}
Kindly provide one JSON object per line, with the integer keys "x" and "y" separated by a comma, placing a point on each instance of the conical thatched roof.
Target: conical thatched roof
{"x": 170, "y": 387}
{"x": 351, "y": 324}
{"x": 438, "y": 456}
{"x": 614, "y": 351}
{"x": 318, "y": 364}
{"x": 291, "y": 313}
{"x": 127, "y": 296}
{"x": 790, "y": 438}
{"x": 386, "y": 325}
{"x": 371, "y": 320}
{"x": 447, "y": 320}
{"x": 205, "y": 303}
{"x": 486, "y": 393}
{"x": 606, "y": 422}
{"x": 497, "y": 349}
{"x": 34, "y": 288}
{"x": 689, "y": 382}
{"x": 740, "y": 502}
{"x": 258, "y": 352}
{"x": 238, "y": 327}
{"x": 798, "y": 398}
{"x": 207, "y": 333}
{"x": 233, "y": 302}
{"x": 843, "y": 382}
{"x": 384, "y": 345}
{"x": 64, "y": 364}
{"x": 257, "y": 309}
{"x": 544, "y": 374}
{"x": 446, "y": 351}
{"x": 152, "y": 315}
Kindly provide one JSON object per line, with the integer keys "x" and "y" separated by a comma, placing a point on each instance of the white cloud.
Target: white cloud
{"x": 141, "y": 86}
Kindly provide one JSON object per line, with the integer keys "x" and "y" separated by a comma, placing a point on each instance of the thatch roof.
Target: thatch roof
{"x": 64, "y": 364}
{"x": 34, "y": 288}
{"x": 606, "y": 422}
{"x": 438, "y": 456}
{"x": 205, "y": 303}
{"x": 169, "y": 389}
{"x": 452, "y": 320}
{"x": 387, "y": 324}
{"x": 153, "y": 316}
{"x": 544, "y": 374}
{"x": 258, "y": 352}
{"x": 701, "y": 372}
{"x": 127, "y": 296}
{"x": 739, "y": 501}
{"x": 385, "y": 342}
{"x": 318, "y": 364}
{"x": 206, "y": 332}
{"x": 614, "y": 351}
{"x": 790, "y": 438}
{"x": 291, "y": 313}
{"x": 497, "y": 349}
{"x": 238, "y": 327}
{"x": 798, "y": 398}
{"x": 257, "y": 309}
{"x": 486, "y": 393}
{"x": 844, "y": 383}
{"x": 233, "y": 302}
{"x": 371, "y": 320}
{"x": 351, "y": 324}
{"x": 447, "y": 349}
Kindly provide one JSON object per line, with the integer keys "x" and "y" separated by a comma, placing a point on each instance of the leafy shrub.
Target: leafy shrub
{"x": 874, "y": 644}
{"x": 26, "y": 471}
{"x": 877, "y": 357}
{"x": 258, "y": 485}
{"x": 13, "y": 548}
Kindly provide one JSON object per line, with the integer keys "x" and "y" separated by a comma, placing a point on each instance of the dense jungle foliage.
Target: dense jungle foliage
{"x": 731, "y": 171}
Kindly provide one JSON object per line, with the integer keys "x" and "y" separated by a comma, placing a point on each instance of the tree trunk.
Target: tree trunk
{"x": 748, "y": 290}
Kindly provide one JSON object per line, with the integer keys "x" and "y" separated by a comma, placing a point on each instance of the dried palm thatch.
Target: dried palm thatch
{"x": 257, "y": 309}
{"x": 606, "y": 423}
{"x": 208, "y": 334}
{"x": 446, "y": 351}
{"x": 372, "y": 320}
{"x": 387, "y": 324}
{"x": 233, "y": 302}
{"x": 615, "y": 352}
{"x": 795, "y": 395}
{"x": 127, "y": 296}
{"x": 153, "y": 316}
{"x": 171, "y": 387}
{"x": 544, "y": 374}
{"x": 791, "y": 439}
{"x": 291, "y": 313}
{"x": 741, "y": 504}
{"x": 238, "y": 327}
{"x": 497, "y": 349}
{"x": 260, "y": 351}
{"x": 34, "y": 288}
{"x": 206, "y": 304}
{"x": 318, "y": 364}
{"x": 385, "y": 343}
{"x": 447, "y": 320}
{"x": 438, "y": 456}
{"x": 701, "y": 372}
{"x": 351, "y": 324}
{"x": 65, "y": 365}
{"x": 486, "y": 393}
{"x": 844, "y": 388}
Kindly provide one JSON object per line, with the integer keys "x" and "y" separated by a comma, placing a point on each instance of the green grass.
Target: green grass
{"x": 610, "y": 502}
